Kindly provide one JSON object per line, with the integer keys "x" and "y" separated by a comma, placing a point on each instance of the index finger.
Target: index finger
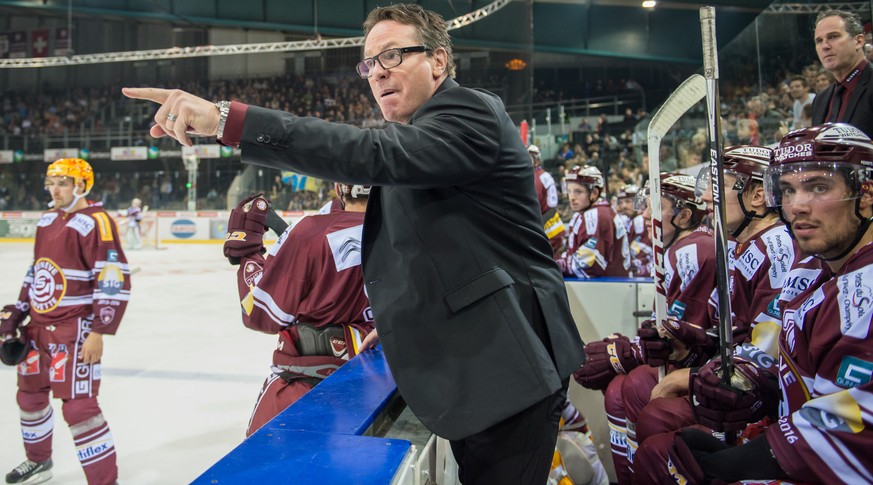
{"x": 158, "y": 95}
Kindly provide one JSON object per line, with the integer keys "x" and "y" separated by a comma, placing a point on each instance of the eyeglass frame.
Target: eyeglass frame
{"x": 375, "y": 59}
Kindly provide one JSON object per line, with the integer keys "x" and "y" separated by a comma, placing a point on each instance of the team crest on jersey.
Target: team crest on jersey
{"x": 856, "y": 302}
{"x": 82, "y": 224}
{"x": 49, "y": 286}
{"x": 111, "y": 279}
{"x": 854, "y": 372}
{"x": 107, "y": 314}
{"x": 252, "y": 273}
{"x": 47, "y": 219}
{"x": 345, "y": 245}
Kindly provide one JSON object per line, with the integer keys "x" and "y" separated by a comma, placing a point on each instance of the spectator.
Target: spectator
{"x": 839, "y": 42}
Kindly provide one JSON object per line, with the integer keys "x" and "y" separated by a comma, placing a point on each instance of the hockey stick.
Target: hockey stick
{"x": 275, "y": 222}
{"x": 689, "y": 93}
{"x": 716, "y": 171}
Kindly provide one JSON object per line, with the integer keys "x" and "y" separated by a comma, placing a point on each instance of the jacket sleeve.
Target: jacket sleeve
{"x": 454, "y": 136}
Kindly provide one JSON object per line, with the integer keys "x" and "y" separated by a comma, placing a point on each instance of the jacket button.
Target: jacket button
{"x": 260, "y": 138}
{"x": 266, "y": 138}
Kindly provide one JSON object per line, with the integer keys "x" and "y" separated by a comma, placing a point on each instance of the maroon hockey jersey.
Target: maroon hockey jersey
{"x": 597, "y": 244}
{"x": 825, "y": 369}
{"x": 689, "y": 276}
{"x": 640, "y": 243}
{"x": 547, "y": 196}
{"x": 79, "y": 271}
{"x": 758, "y": 269}
{"x": 312, "y": 275}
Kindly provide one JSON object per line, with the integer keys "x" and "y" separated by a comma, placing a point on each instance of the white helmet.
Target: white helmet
{"x": 353, "y": 190}
{"x": 586, "y": 175}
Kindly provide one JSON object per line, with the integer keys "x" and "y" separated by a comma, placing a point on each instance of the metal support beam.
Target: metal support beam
{"x": 225, "y": 50}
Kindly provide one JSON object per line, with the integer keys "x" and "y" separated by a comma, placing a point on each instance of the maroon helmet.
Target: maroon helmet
{"x": 831, "y": 148}
{"x": 586, "y": 175}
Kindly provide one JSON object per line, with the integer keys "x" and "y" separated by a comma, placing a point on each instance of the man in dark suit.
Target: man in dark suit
{"x": 839, "y": 42}
{"x": 469, "y": 305}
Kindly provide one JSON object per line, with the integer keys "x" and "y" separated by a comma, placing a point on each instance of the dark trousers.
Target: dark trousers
{"x": 517, "y": 450}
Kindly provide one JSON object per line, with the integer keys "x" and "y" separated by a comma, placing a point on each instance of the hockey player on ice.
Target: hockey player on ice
{"x": 309, "y": 290}
{"x": 75, "y": 292}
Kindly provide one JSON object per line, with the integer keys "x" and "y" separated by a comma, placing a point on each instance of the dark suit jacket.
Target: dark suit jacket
{"x": 859, "y": 112}
{"x": 455, "y": 259}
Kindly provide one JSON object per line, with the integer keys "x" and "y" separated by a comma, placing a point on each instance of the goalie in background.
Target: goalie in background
{"x": 75, "y": 292}
{"x": 134, "y": 215}
{"x": 309, "y": 290}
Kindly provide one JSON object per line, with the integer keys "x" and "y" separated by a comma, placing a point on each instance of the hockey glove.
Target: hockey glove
{"x": 10, "y": 318}
{"x": 607, "y": 358}
{"x": 702, "y": 458}
{"x": 752, "y": 395}
{"x": 656, "y": 349}
{"x": 246, "y": 228}
{"x": 12, "y": 351}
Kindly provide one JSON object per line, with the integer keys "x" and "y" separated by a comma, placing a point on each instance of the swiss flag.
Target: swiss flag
{"x": 39, "y": 43}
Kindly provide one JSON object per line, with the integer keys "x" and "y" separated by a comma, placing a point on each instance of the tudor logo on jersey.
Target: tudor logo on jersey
{"x": 49, "y": 286}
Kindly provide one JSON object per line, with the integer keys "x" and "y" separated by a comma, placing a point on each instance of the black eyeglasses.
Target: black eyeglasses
{"x": 387, "y": 59}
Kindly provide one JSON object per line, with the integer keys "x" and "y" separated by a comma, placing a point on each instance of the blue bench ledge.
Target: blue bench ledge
{"x": 319, "y": 439}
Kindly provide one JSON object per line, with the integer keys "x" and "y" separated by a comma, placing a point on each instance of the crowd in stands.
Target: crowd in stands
{"x": 751, "y": 115}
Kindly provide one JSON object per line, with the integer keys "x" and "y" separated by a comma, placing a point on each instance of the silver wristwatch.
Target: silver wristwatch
{"x": 223, "y": 111}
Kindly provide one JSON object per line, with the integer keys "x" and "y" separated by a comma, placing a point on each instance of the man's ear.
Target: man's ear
{"x": 865, "y": 202}
{"x": 440, "y": 61}
{"x": 758, "y": 199}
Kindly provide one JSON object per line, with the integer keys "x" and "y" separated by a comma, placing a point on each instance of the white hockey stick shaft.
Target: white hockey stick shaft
{"x": 689, "y": 93}
{"x": 716, "y": 167}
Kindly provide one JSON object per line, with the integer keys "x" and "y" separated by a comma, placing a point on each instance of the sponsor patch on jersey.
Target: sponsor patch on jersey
{"x": 111, "y": 279}
{"x": 338, "y": 346}
{"x": 345, "y": 245}
{"x": 749, "y": 262}
{"x": 773, "y": 308}
{"x": 112, "y": 256}
{"x": 47, "y": 219}
{"x": 591, "y": 220}
{"x": 813, "y": 301}
{"x": 796, "y": 282}
{"x": 48, "y": 287}
{"x": 58, "y": 368}
{"x": 854, "y": 372}
{"x": 677, "y": 309}
{"x": 81, "y": 224}
{"x": 591, "y": 243}
{"x": 30, "y": 366}
{"x": 825, "y": 420}
{"x": 687, "y": 265}
{"x": 855, "y": 300}
{"x": 781, "y": 253}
